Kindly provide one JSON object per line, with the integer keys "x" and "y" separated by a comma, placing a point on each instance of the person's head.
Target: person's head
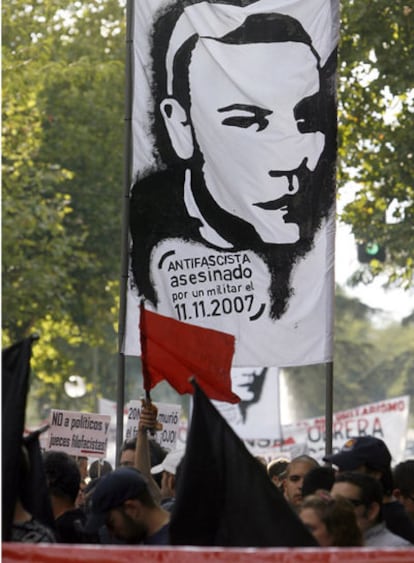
{"x": 332, "y": 521}
{"x": 276, "y": 469}
{"x": 318, "y": 478}
{"x": 127, "y": 454}
{"x": 82, "y": 462}
{"x": 157, "y": 454}
{"x": 122, "y": 501}
{"x": 365, "y": 454}
{"x": 403, "y": 474}
{"x": 252, "y": 147}
{"x": 99, "y": 468}
{"x": 62, "y": 475}
{"x": 296, "y": 470}
{"x": 167, "y": 470}
{"x": 364, "y": 492}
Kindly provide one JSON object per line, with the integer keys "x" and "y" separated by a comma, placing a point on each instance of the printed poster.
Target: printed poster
{"x": 387, "y": 420}
{"x": 234, "y": 148}
{"x": 78, "y": 433}
{"x": 257, "y": 415}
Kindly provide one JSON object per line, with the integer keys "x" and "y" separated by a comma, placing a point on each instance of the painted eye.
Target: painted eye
{"x": 307, "y": 114}
{"x": 244, "y": 122}
{"x": 254, "y": 116}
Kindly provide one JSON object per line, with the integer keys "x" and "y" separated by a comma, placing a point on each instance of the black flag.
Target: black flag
{"x": 224, "y": 495}
{"x": 34, "y": 491}
{"x": 15, "y": 384}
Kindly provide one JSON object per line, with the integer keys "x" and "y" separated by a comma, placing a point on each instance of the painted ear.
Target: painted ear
{"x": 178, "y": 127}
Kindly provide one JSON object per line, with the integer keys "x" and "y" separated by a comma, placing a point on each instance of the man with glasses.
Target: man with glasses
{"x": 370, "y": 455}
{"x": 365, "y": 493}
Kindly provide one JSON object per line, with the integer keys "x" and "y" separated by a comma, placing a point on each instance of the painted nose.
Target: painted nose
{"x": 290, "y": 151}
{"x": 289, "y": 180}
{"x": 316, "y": 146}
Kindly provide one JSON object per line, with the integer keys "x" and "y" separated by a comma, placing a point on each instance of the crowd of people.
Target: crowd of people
{"x": 357, "y": 499}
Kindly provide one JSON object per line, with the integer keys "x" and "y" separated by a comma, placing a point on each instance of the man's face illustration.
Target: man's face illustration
{"x": 251, "y": 109}
{"x": 247, "y": 383}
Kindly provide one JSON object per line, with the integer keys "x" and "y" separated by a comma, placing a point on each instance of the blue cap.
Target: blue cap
{"x": 362, "y": 450}
{"x": 112, "y": 491}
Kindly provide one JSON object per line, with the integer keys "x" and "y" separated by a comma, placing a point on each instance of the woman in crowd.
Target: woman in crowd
{"x": 331, "y": 521}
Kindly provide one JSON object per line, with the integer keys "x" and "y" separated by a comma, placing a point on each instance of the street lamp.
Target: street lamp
{"x": 75, "y": 387}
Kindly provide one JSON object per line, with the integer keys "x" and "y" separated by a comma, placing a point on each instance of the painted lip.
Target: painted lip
{"x": 274, "y": 205}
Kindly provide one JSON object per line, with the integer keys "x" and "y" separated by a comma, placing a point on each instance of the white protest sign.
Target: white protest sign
{"x": 385, "y": 419}
{"x": 78, "y": 433}
{"x": 168, "y": 416}
{"x": 108, "y": 407}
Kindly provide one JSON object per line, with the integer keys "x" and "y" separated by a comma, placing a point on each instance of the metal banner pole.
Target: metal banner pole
{"x": 328, "y": 408}
{"x": 125, "y": 230}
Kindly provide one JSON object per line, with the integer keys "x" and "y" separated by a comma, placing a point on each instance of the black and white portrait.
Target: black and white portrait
{"x": 231, "y": 210}
{"x": 257, "y": 416}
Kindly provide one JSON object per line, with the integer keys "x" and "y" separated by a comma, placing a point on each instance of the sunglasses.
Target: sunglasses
{"x": 355, "y": 502}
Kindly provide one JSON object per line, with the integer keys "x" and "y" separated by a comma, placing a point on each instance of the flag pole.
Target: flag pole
{"x": 328, "y": 407}
{"x": 120, "y": 401}
{"x": 143, "y": 339}
{"x": 329, "y": 366}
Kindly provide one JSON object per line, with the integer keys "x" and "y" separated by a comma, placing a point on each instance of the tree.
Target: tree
{"x": 376, "y": 137}
{"x": 36, "y": 245}
{"x": 370, "y": 362}
{"x": 63, "y": 104}
{"x": 63, "y": 110}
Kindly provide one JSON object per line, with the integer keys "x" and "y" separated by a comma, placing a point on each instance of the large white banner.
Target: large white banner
{"x": 387, "y": 420}
{"x": 257, "y": 415}
{"x": 234, "y": 147}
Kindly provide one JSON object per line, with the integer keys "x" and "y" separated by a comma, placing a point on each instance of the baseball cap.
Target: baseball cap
{"x": 112, "y": 491}
{"x": 362, "y": 450}
{"x": 169, "y": 463}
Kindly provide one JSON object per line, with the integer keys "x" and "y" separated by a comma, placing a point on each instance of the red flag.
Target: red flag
{"x": 176, "y": 351}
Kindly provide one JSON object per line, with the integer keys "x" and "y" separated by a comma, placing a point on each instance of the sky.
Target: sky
{"x": 396, "y": 303}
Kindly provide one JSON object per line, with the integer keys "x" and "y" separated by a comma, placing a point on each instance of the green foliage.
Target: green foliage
{"x": 63, "y": 104}
{"x": 376, "y": 105}
{"x": 36, "y": 245}
{"x": 370, "y": 363}
{"x": 63, "y": 132}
